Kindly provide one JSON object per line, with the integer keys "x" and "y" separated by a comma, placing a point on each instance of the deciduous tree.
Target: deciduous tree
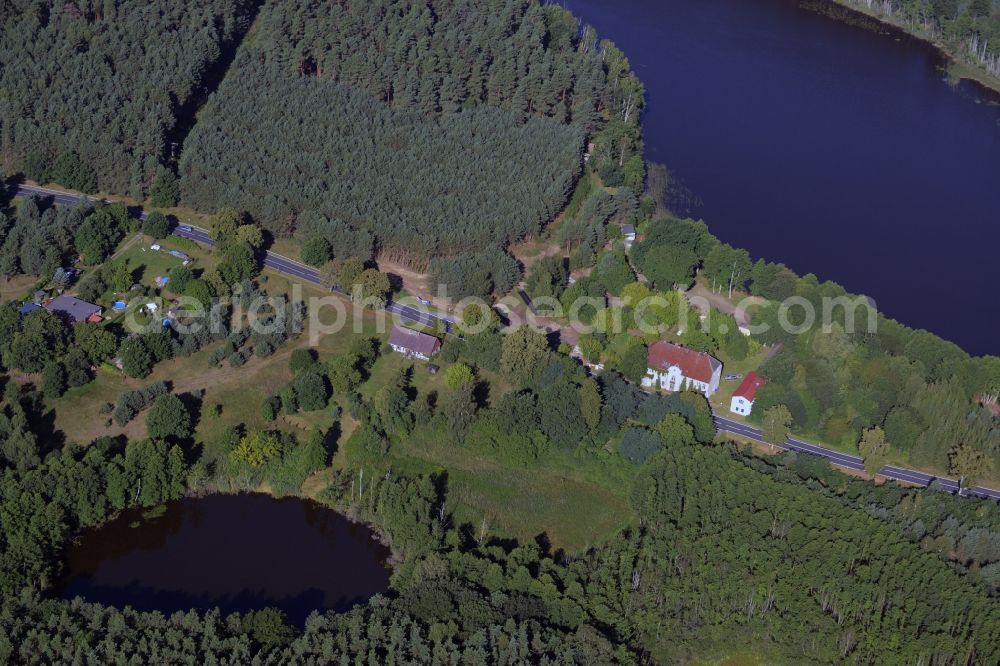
{"x": 169, "y": 419}
{"x": 776, "y": 425}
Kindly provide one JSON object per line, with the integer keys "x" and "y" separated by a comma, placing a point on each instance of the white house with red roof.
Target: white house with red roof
{"x": 746, "y": 393}
{"x": 675, "y": 368}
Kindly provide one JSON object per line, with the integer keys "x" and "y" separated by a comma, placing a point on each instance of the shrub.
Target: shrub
{"x": 302, "y": 359}
{"x": 312, "y": 391}
{"x": 269, "y": 408}
{"x": 316, "y": 251}
{"x": 130, "y": 403}
{"x": 216, "y": 356}
{"x": 639, "y": 444}
{"x": 289, "y": 400}
{"x": 458, "y": 375}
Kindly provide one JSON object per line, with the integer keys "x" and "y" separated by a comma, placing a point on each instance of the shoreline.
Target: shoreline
{"x": 958, "y": 70}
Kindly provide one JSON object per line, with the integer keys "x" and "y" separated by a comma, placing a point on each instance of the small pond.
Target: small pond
{"x": 234, "y": 552}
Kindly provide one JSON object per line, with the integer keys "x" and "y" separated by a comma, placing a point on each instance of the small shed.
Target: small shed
{"x": 28, "y": 308}
{"x": 63, "y": 276}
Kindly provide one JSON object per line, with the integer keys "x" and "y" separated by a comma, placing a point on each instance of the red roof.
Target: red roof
{"x": 748, "y": 387}
{"x": 694, "y": 364}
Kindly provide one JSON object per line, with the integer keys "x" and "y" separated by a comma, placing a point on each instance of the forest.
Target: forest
{"x": 95, "y": 91}
{"x": 925, "y": 395}
{"x": 786, "y": 559}
{"x": 436, "y": 133}
{"x": 435, "y": 128}
{"x": 820, "y": 568}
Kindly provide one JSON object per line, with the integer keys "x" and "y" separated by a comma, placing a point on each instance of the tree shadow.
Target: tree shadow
{"x": 331, "y": 442}
{"x": 395, "y": 283}
{"x": 481, "y": 393}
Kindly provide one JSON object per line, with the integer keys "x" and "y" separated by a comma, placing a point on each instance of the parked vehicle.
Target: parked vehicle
{"x": 733, "y": 377}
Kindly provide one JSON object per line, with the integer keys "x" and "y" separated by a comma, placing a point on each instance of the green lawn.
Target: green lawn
{"x": 553, "y": 497}
{"x": 724, "y": 396}
{"x": 147, "y": 264}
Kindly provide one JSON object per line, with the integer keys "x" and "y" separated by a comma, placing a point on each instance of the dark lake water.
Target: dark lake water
{"x": 235, "y": 552}
{"x": 833, "y": 149}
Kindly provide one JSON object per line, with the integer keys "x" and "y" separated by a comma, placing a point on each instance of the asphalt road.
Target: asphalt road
{"x": 852, "y": 462}
{"x": 275, "y": 262}
{"x": 301, "y": 271}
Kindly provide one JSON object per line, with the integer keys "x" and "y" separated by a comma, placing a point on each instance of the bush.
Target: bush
{"x": 312, "y": 391}
{"x": 289, "y": 400}
{"x": 458, "y": 374}
{"x": 264, "y": 346}
{"x": 302, "y": 359}
{"x": 130, "y": 403}
{"x": 316, "y": 251}
{"x": 215, "y": 358}
{"x": 639, "y": 444}
{"x": 269, "y": 408}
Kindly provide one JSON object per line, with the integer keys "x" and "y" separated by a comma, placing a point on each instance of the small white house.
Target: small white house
{"x": 675, "y": 368}
{"x": 412, "y": 343}
{"x": 628, "y": 233}
{"x": 742, "y": 402}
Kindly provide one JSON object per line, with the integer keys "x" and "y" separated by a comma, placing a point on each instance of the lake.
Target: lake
{"x": 827, "y": 147}
{"x": 235, "y": 552}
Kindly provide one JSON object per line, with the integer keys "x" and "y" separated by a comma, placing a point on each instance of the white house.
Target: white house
{"x": 628, "y": 232}
{"x": 412, "y": 343}
{"x": 675, "y": 368}
{"x": 744, "y": 396}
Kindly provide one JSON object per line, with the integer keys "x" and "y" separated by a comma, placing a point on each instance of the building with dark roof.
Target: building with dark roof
{"x": 74, "y": 310}
{"x": 675, "y": 368}
{"x": 28, "y": 308}
{"x": 412, "y": 343}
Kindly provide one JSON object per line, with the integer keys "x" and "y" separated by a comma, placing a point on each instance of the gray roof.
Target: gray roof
{"x": 72, "y": 308}
{"x": 414, "y": 341}
{"x": 628, "y": 229}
